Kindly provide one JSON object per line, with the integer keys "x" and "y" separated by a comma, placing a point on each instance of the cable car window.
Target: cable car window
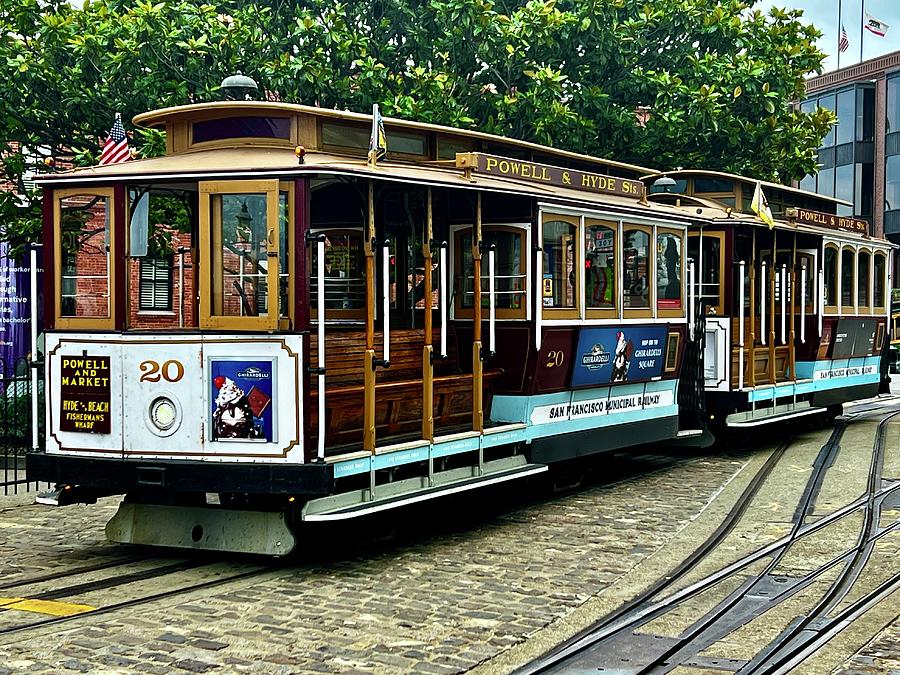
{"x": 668, "y": 271}
{"x": 830, "y": 266}
{"x": 345, "y": 287}
{"x": 702, "y": 185}
{"x": 560, "y": 271}
{"x": 241, "y": 127}
{"x": 509, "y": 272}
{"x": 847, "y": 277}
{"x": 879, "y": 267}
{"x": 636, "y": 272}
{"x": 83, "y": 222}
{"x": 600, "y": 266}
{"x": 862, "y": 279}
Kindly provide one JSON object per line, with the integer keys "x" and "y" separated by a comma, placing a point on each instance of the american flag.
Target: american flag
{"x": 116, "y": 147}
{"x": 844, "y": 42}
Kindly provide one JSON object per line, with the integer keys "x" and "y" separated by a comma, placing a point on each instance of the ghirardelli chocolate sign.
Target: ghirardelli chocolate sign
{"x": 84, "y": 394}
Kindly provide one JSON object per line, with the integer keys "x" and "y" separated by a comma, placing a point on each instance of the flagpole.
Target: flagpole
{"x": 839, "y": 24}
{"x": 862, "y": 31}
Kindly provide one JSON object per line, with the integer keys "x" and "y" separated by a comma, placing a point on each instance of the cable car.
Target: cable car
{"x": 262, "y": 328}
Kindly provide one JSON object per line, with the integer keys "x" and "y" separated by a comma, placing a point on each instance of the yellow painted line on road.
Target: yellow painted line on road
{"x": 49, "y": 607}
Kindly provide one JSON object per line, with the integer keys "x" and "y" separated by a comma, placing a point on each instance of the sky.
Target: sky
{"x": 823, "y": 14}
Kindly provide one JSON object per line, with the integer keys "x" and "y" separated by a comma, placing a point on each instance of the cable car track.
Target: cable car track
{"x": 643, "y": 609}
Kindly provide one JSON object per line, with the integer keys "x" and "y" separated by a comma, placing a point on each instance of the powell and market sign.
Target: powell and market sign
{"x": 492, "y": 165}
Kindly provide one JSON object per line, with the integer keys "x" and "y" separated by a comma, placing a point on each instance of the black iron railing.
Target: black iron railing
{"x": 16, "y": 423}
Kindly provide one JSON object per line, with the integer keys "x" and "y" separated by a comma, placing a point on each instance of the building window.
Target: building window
{"x": 892, "y": 183}
{"x": 846, "y": 114}
{"x": 865, "y": 114}
{"x": 893, "y": 105}
{"x": 156, "y": 284}
{"x": 829, "y": 103}
{"x": 826, "y": 182}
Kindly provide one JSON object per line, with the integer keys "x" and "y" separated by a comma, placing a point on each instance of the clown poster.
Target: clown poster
{"x": 622, "y": 354}
{"x": 242, "y": 400}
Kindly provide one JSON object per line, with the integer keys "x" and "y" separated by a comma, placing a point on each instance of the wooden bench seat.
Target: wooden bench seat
{"x": 398, "y": 389}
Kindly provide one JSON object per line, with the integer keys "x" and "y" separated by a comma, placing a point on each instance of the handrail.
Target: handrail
{"x": 386, "y": 302}
{"x": 692, "y": 298}
{"x": 783, "y": 304}
{"x": 822, "y": 299}
{"x": 492, "y": 312}
{"x": 444, "y": 280}
{"x": 803, "y": 301}
{"x": 741, "y": 293}
{"x": 763, "y": 280}
{"x": 35, "y": 439}
{"x": 320, "y": 333}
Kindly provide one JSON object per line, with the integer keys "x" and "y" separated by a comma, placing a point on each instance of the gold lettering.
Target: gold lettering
{"x": 566, "y": 178}
{"x": 503, "y": 166}
{"x": 491, "y": 163}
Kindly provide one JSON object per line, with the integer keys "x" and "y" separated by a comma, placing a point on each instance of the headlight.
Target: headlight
{"x": 163, "y": 413}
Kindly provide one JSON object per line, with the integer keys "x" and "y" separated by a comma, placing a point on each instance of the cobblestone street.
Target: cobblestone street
{"x": 464, "y": 590}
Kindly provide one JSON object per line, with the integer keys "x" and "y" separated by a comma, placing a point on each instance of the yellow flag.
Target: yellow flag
{"x": 378, "y": 139}
{"x": 760, "y": 206}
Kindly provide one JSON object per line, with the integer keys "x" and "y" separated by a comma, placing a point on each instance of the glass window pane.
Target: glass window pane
{"x": 892, "y": 183}
{"x": 85, "y": 230}
{"x": 843, "y": 183}
{"x": 345, "y": 286}
{"x": 808, "y": 106}
{"x": 844, "y": 132}
{"x": 713, "y": 185}
{"x": 599, "y": 266}
{"x": 242, "y": 127}
{"x": 155, "y": 286}
{"x": 559, "y": 263}
{"x": 283, "y": 253}
{"x": 808, "y": 183}
{"x": 636, "y": 262}
{"x": 710, "y": 274}
{"x": 847, "y": 276}
{"x": 509, "y": 274}
{"x": 893, "y": 105}
{"x": 878, "y": 300}
{"x": 829, "y": 103}
{"x": 240, "y": 272}
{"x": 826, "y": 182}
{"x": 830, "y": 276}
{"x": 668, "y": 271}
{"x": 862, "y": 280}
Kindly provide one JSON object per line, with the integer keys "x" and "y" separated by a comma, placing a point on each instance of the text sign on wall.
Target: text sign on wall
{"x": 84, "y": 394}
{"x": 855, "y": 225}
{"x": 494, "y": 165}
{"x": 621, "y": 354}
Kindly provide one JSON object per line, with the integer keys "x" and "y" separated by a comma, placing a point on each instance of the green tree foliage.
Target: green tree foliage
{"x": 716, "y": 76}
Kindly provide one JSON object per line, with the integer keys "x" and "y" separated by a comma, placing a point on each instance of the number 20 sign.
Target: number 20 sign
{"x": 170, "y": 371}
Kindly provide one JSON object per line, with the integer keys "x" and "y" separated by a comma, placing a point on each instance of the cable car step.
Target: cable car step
{"x": 412, "y": 490}
{"x": 771, "y": 415}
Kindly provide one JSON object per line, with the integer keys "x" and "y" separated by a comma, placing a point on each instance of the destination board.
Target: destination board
{"x": 84, "y": 394}
{"x": 829, "y": 220}
{"x": 493, "y": 165}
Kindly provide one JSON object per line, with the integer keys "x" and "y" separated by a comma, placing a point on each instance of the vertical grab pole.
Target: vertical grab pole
{"x": 35, "y": 398}
{"x": 741, "y": 292}
{"x": 492, "y": 312}
{"x": 386, "y": 303}
{"x": 821, "y": 303}
{"x": 783, "y": 304}
{"x": 763, "y": 280}
{"x": 803, "y": 300}
{"x": 320, "y": 339}
{"x": 444, "y": 280}
{"x": 428, "y": 349}
{"x": 692, "y": 293}
{"x": 477, "y": 365}
{"x": 369, "y": 358}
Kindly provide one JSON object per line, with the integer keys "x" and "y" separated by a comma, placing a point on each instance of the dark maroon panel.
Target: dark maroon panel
{"x": 301, "y": 257}
{"x": 511, "y": 355}
{"x": 47, "y": 255}
{"x": 554, "y": 362}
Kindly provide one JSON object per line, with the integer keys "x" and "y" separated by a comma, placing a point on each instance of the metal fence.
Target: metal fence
{"x": 15, "y": 424}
